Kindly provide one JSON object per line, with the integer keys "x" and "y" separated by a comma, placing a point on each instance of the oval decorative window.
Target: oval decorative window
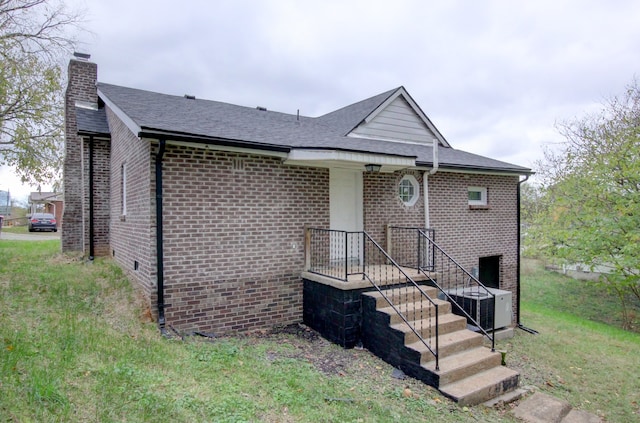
{"x": 409, "y": 190}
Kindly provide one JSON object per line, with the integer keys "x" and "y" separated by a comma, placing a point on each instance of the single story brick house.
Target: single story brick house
{"x": 205, "y": 204}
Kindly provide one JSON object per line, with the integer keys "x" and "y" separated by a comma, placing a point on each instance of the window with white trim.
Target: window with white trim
{"x": 123, "y": 188}
{"x": 477, "y": 196}
{"x": 409, "y": 190}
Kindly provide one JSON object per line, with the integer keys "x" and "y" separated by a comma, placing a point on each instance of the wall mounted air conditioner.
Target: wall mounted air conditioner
{"x": 477, "y": 303}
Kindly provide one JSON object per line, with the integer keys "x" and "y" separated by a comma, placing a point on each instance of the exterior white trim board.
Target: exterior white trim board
{"x": 133, "y": 127}
{"x": 346, "y": 159}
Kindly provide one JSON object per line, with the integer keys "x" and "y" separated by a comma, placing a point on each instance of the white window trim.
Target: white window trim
{"x": 483, "y": 196}
{"x": 124, "y": 189}
{"x": 416, "y": 190}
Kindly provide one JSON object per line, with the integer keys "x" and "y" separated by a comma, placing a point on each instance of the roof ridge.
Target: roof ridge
{"x": 196, "y": 99}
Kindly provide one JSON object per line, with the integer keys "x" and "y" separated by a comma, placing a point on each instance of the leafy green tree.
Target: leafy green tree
{"x": 530, "y": 202}
{"x": 590, "y": 209}
{"x": 33, "y": 39}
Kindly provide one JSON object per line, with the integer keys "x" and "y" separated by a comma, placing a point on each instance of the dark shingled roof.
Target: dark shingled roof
{"x": 92, "y": 122}
{"x": 212, "y": 121}
{"x": 347, "y": 118}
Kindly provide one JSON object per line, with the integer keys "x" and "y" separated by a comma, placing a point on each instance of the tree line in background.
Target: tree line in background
{"x": 35, "y": 37}
{"x": 586, "y": 209}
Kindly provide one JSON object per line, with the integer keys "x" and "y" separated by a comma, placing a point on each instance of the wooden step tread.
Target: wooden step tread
{"x": 482, "y": 386}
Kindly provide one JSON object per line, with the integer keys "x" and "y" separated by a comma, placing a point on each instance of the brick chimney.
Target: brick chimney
{"x": 82, "y": 76}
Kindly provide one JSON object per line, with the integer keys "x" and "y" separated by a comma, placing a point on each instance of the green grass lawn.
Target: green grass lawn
{"x": 75, "y": 346}
{"x": 586, "y": 299}
{"x": 576, "y": 356}
{"x": 16, "y": 229}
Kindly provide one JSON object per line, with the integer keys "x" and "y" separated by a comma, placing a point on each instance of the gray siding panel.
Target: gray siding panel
{"x": 398, "y": 121}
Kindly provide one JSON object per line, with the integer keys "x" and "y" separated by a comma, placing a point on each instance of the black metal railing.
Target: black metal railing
{"x": 341, "y": 254}
{"x": 467, "y": 295}
{"x": 335, "y": 254}
{"x": 409, "y": 248}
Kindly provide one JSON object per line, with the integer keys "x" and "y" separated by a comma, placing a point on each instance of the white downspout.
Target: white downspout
{"x": 435, "y": 146}
{"x": 425, "y": 184}
{"x": 425, "y": 189}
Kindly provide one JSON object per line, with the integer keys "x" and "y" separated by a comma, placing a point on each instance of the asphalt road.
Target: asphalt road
{"x": 32, "y": 236}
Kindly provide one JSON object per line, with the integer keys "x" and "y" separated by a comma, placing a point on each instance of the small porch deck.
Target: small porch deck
{"x": 387, "y": 275}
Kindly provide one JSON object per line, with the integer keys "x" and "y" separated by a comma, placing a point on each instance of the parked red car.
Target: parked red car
{"x": 42, "y": 222}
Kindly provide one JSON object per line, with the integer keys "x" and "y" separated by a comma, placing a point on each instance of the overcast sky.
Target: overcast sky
{"x": 493, "y": 76}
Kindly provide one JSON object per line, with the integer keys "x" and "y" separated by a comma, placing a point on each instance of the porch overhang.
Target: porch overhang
{"x": 348, "y": 159}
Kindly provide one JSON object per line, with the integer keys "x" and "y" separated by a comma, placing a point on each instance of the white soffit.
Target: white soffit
{"x": 347, "y": 159}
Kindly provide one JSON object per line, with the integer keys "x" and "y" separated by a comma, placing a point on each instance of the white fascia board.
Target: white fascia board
{"x": 129, "y": 123}
{"x": 386, "y": 103}
{"x": 433, "y": 141}
{"x": 336, "y": 158}
{"x": 86, "y": 105}
{"x": 214, "y": 147}
{"x": 472, "y": 171}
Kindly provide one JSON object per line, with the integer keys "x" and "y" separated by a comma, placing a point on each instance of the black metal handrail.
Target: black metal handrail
{"x": 340, "y": 254}
{"x": 382, "y": 275}
{"x": 458, "y": 286}
{"x": 408, "y": 247}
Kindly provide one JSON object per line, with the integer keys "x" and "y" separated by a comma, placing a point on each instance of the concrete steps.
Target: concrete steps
{"x": 469, "y": 373}
{"x": 416, "y": 310}
{"x": 482, "y": 386}
{"x": 450, "y": 343}
{"x": 404, "y": 295}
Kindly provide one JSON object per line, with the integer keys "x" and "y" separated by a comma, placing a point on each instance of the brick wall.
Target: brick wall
{"x": 132, "y": 236}
{"x": 56, "y": 208}
{"x": 234, "y": 238}
{"x": 468, "y": 234}
{"x": 382, "y": 205}
{"x": 464, "y": 233}
{"x": 81, "y": 87}
{"x": 101, "y": 197}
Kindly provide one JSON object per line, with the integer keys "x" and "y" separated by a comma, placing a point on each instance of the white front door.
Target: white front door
{"x": 345, "y": 198}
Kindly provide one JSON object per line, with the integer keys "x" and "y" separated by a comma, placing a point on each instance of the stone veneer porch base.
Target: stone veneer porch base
{"x": 334, "y": 307}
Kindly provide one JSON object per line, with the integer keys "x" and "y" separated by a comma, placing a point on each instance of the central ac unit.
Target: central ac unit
{"x": 476, "y": 302}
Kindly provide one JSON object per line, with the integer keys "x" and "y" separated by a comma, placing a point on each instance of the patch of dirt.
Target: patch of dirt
{"x": 297, "y": 329}
{"x": 369, "y": 376}
{"x": 357, "y": 364}
{"x": 309, "y": 346}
